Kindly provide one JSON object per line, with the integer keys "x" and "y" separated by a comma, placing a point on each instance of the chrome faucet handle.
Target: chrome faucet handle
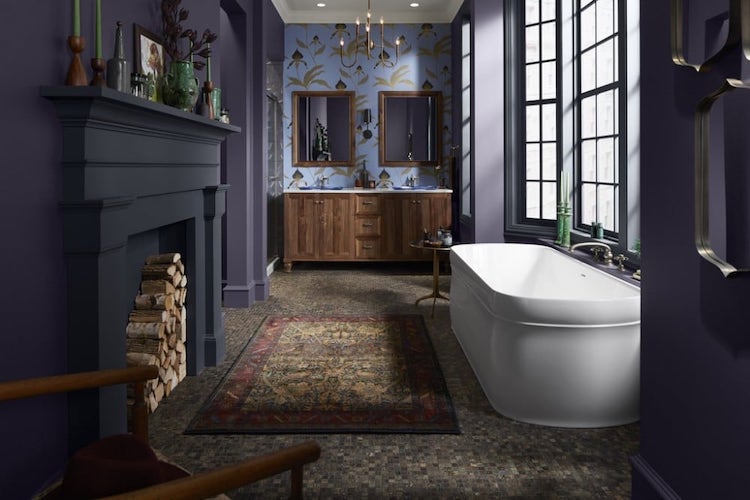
{"x": 620, "y": 259}
{"x": 597, "y": 251}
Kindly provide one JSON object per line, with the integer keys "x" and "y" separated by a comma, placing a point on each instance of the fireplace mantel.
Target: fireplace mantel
{"x": 138, "y": 178}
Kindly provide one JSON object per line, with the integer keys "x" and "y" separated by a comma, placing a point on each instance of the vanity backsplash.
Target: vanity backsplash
{"x": 313, "y": 63}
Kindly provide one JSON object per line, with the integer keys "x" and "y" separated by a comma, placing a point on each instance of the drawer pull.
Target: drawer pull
{"x": 367, "y": 224}
{"x": 367, "y": 247}
{"x": 367, "y": 202}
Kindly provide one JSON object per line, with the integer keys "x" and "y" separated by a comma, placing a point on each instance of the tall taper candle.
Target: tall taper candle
{"x": 76, "y": 17}
{"x": 208, "y": 63}
{"x": 98, "y": 30}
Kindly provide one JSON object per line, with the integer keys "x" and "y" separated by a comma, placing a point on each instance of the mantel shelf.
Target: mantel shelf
{"x": 122, "y": 100}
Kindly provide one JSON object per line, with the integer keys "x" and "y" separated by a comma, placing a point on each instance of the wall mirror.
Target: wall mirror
{"x": 322, "y": 128}
{"x": 410, "y": 128}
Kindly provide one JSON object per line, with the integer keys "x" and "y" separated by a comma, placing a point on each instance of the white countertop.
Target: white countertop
{"x": 368, "y": 190}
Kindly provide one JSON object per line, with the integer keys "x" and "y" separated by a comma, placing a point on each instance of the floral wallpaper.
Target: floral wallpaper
{"x": 312, "y": 62}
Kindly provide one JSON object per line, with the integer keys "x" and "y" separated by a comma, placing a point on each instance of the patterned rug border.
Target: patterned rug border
{"x": 452, "y": 427}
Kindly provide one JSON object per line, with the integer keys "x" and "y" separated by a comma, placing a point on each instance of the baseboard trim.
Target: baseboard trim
{"x": 648, "y": 475}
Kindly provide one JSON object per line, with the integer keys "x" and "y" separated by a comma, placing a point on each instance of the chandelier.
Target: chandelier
{"x": 368, "y": 44}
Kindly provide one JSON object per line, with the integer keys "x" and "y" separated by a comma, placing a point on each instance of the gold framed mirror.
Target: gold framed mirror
{"x": 322, "y": 128}
{"x": 410, "y": 128}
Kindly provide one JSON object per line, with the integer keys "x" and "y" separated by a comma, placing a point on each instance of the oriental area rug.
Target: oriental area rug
{"x": 370, "y": 374}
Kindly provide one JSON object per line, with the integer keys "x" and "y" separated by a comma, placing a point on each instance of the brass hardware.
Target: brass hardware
{"x": 702, "y": 163}
{"x": 677, "y": 34}
{"x": 367, "y": 224}
{"x": 606, "y": 258}
{"x": 367, "y": 247}
{"x": 367, "y": 202}
{"x": 620, "y": 259}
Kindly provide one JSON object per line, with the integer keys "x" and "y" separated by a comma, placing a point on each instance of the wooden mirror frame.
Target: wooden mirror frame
{"x": 382, "y": 127}
{"x": 296, "y": 96}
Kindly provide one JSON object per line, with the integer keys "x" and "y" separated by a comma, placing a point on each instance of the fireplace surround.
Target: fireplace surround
{"x": 139, "y": 178}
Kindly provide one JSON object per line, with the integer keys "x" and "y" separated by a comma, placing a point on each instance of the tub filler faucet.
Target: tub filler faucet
{"x": 598, "y": 247}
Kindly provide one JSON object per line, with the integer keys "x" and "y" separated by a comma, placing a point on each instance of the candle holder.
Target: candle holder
{"x": 98, "y": 64}
{"x": 76, "y": 72}
{"x": 206, "y": 104}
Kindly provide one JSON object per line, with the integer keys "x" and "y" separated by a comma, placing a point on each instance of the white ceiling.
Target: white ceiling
{"x": 346, "y": 11}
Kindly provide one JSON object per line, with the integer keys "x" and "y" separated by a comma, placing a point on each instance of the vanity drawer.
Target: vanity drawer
{"x": 367, "y": 226}
{"x": 367, "y": 248}
{"x": 368, "y": 204}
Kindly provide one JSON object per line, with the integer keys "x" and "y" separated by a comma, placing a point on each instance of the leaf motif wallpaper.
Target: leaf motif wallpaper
{"x": 312, "y": 62}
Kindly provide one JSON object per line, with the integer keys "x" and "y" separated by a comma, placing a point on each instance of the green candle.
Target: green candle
{"x": 98, "y": 29}
{"x": 76, "y": 17}
{"x": 208, "y": 63}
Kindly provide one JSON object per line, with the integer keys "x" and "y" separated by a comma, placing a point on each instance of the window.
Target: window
{"x": 540, "y": 103}
{"x": 597, "y": 102}
{"x": 568, "y": 83}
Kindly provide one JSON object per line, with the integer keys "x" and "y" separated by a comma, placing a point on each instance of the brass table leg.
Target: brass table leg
{"x": 435, "y": 283}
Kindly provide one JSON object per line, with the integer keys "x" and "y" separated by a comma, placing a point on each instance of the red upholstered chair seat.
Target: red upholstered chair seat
{"x": 115, "y": 464}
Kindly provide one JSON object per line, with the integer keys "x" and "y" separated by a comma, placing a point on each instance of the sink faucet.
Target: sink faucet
{"x": 598, "y": 247}
{"x": 322, "y": 180}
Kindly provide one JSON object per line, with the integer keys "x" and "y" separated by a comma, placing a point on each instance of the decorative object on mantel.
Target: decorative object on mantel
{"x": 180, "y": 84}
{"x": 206, "y": 106}
{"x": 149, "y": 58}
{"x": 76, "y": 72}
{"x": 97, "y": 62}
{"x": 118, "y": 68}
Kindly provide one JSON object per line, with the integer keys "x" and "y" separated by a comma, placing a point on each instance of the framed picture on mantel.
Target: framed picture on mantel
{"x": 148, "y": 53}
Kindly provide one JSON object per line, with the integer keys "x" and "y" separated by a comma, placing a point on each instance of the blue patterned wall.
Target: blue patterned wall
{"x": 312, "y": 62}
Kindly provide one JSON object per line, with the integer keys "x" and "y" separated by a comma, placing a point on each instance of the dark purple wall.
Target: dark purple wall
{"x": 32, "y": 296}
{"x": 695, "y": 374}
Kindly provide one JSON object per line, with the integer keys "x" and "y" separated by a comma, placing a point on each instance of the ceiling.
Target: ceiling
{"x": 346, "y": 11}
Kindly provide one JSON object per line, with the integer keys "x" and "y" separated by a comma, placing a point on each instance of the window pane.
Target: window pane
{"x": 588, "y": 160}
{"x": 532, "y": 11}
{"x": 532, "y": 82}
{"x": 549, "y": 203}
{"x": 588, "y": 203}
{"x": 588, "y": 27}
{"x": 532, "y": 162}
{"x": 588, "y": 117}
{"x": 549, "y": 80}
{"x": 532, "y": 44}
{"x": 532, "y": 123}
{"x": 605, "y": 113}
{"x": 548, "y": 10}
{"x": 615, "y": 149}
{"x": 532, "y": 200}
{"x": 604, "y": 19}
{"x": 605, "y": 63}
{"x": 549, "y": 122}
{"x": 607, "y": 207}
{"x": 549, "y": 162}
{"x": 548, "y": 41}
{"x": 606, "y": 160}
{"x": 588, "y": 70}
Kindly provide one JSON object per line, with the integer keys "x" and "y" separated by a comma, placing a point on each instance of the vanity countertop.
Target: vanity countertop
{"x": 368, "y": 190}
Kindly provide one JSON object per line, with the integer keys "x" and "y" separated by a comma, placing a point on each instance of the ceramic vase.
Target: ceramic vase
{"x": 118, "y": 68}
{"x": 180, "y": 89}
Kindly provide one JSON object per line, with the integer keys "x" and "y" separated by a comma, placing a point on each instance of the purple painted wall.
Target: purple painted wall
{"x": 695, "y": 374}
{"x": 32, "y": 298}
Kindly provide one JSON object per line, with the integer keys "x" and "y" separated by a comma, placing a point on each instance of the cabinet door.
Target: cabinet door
{"x": 336, "y": 235}
{"x": 300, "y": 226}
{"x": 393, "y": 231}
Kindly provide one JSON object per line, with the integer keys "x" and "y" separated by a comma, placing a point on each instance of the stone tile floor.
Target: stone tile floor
{"x": 493, "y": 457}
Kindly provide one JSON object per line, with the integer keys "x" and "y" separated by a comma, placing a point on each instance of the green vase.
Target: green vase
{"x": 180, "y": 88}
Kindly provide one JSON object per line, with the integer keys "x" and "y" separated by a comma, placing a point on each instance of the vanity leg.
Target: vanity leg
{"x": 287, "y": 266}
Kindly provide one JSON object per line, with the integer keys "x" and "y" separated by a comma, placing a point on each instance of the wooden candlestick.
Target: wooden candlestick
{"x": 98, "y": 65}
{"x": 76, "y": 71}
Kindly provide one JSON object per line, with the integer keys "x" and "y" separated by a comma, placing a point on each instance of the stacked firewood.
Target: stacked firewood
{"x": 156, "y": 331}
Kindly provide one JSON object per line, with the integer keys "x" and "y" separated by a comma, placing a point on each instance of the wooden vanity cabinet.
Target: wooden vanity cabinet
{"x": 317, "y": 226}
{"x": 361, "y": 226}
{"x": 409, "y": 215}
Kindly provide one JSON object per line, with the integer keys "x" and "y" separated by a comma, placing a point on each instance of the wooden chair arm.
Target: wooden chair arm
{"x": 211, "y": 483}
{"x": 41, "y": 386}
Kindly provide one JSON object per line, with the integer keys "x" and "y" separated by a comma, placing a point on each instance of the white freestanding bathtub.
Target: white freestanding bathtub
{"x": 552, "y": 341}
